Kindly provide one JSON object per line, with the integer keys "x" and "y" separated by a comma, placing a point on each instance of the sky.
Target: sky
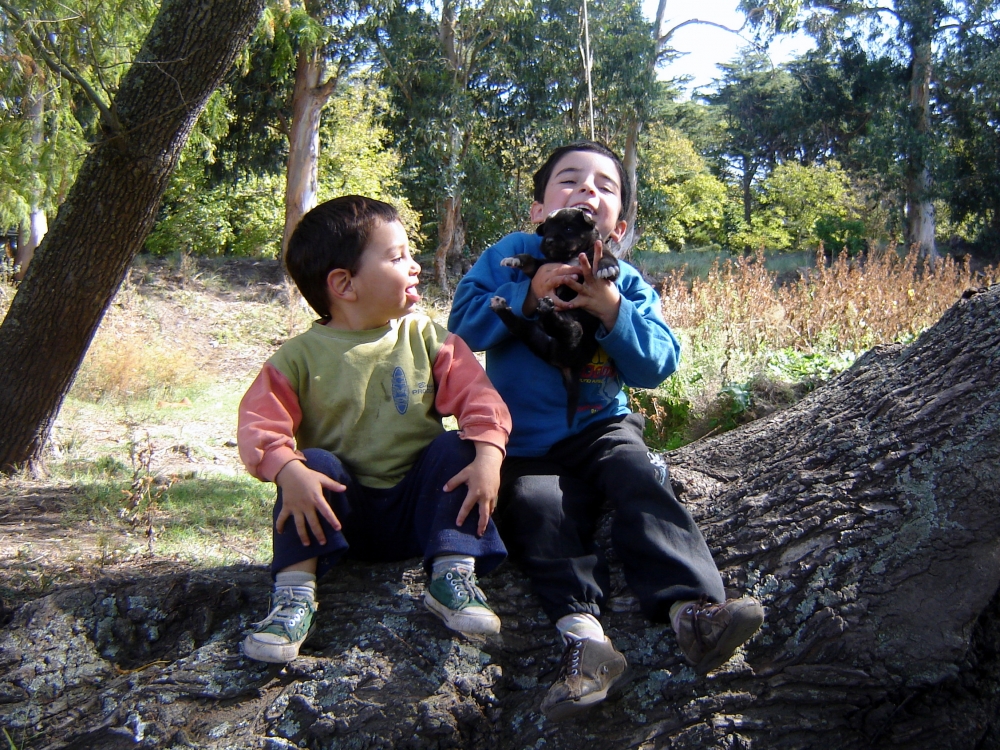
{"x": 707, "y": 46}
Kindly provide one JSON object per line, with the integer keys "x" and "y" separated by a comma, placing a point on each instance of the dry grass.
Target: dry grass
{"x": 737, "y": 324}
{"x": 129, "y": 357}
{"x": 850, "y": 305}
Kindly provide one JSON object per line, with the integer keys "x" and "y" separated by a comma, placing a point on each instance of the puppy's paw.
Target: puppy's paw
{"x": 498, "y": 303}
{"x": 546, "y": 305}
{"x": 510, "y": 262}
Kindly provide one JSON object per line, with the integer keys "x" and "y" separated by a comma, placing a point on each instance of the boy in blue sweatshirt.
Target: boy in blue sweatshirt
{"x": 556, "y": 478}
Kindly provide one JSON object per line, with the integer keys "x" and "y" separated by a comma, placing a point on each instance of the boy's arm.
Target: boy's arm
{"x": 463, "y": 389}
{"x": 269, "y": 414}
{"x": 471, "y": 316}
{"x": 644, "y": 349}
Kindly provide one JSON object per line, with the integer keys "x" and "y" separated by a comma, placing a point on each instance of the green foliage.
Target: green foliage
{"x": 48, "y": 108}
{"x": 810, "y": 367}
{"x": 792, "y": 199}
{"x": 245, "y": 216}
{"x": 680, "y": 201}
{"x": 476, "y": 124}
{"x": 667, "y": 416}
{"x": 970, "y": 107}
{"x": 837, "y": 233}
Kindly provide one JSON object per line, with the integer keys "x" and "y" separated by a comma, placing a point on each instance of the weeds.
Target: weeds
{"x": 140, "y": 504}
{"x": 130, "y": 357}
{"x": 742, "y": 331}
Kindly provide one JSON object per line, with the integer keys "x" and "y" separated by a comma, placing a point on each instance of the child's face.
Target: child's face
{"x": 589, "y": 181}
{"x": 387, "y": 276}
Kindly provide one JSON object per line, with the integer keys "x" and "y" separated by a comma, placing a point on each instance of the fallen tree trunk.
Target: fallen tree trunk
{"x": 864, "y": 517}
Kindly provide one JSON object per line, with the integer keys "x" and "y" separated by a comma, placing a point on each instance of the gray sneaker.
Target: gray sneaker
{"x": 710, "y": 633}
{"x": 276, "y": 639}
{"x": 460, "y": 603}
{"x": 588, "y": 672}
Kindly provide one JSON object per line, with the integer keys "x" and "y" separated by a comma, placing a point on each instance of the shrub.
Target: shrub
{"x": 130, "y": 359}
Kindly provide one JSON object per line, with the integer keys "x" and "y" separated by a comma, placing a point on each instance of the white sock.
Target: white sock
{"x": 298, "y": 579}
{"x": 444, "y": 563}
{"x": 580, "y": 625}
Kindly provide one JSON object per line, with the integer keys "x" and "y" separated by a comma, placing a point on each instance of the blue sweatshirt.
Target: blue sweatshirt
{"x": 640, "y": 351}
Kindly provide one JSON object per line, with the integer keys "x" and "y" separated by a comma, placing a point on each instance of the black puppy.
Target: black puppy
{"x": 562, "y": 338}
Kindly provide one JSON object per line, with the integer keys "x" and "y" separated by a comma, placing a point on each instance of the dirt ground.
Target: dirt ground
{"x": 192, "y": 305}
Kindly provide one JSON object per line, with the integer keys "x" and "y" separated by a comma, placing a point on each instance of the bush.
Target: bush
{"x": 837, "y": 233}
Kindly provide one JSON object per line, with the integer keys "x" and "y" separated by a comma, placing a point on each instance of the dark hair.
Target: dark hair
{"x": 332, "y": 235}
{"x": 544, "y": 173}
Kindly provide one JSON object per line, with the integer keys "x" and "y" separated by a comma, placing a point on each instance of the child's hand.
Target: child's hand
{"x": 302, "y": 498}
{"x": 544, "y": 283}
{"x": 483, "y": 479}
{"x": 599, "y": 297}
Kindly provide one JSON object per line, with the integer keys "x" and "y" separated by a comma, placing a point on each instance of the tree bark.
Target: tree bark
{"x": 109, "y": 212}
{"x": 309, "y": 96}
{"x": 864, "y": 518}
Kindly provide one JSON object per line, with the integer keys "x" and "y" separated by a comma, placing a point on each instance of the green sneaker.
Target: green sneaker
{"x": 276, "y": 639}
{"x": 456, "y": 599}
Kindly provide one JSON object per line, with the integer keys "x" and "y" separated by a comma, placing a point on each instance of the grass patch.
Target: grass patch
{"x": 699, "y": 263}
{"x": 206, "y": 521}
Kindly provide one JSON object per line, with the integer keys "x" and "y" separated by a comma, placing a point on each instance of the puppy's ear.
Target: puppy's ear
{"x": 541, "y": 229}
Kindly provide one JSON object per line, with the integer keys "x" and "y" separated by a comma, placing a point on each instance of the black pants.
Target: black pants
{"x": 414, "y": 518}
{"x": 549, "y": 508}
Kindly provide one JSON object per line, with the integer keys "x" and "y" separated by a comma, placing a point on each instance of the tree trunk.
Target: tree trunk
{"x": 451, "y": 237}
{"x": 746, "y": 183}
{"x": 865, "y": 518}
{"x": 919, "y": 207}
{"x": 451, "y": 225}
{"x": 303, "y": 138}
{"x": 30, "y": 236}
{"x": 109, "y": 212}
{"x": 631, "y": 163}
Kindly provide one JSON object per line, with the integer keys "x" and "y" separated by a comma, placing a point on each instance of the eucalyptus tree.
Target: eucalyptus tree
{"x": 62, "y": 61}
{"x": 328, "y": 35}
{"x": 437, "y": 62}
{"x": 482, "y": 91}
{"x": 969, "y": 106}
{"x": 110, "y": 208}
{"x": 906, "y": 31}
{"x": 756, "y": 102}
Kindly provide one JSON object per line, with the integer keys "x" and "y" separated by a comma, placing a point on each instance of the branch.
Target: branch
{"x": 664, "y": 39}
{"x": 110, "y": 118}
{"x": 325, "y": 91}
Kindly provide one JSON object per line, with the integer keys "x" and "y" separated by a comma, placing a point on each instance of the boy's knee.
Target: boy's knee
{"x": 324, "y": 462}
{"x": 450, "y": 450}
{"x": 533, "y": 497}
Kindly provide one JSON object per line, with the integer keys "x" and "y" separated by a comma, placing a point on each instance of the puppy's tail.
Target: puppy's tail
{"x": 571, "y": 381}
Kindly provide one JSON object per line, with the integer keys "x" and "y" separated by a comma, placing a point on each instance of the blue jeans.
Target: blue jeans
{"x": 415, "y": 518}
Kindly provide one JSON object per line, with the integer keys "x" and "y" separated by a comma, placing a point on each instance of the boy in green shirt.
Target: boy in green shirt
{"x": 346, "y": 420}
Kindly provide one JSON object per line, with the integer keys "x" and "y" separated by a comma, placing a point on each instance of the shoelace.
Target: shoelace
{"x": 570, "y": 665}
{"x": 696, "y": 609}
{"x": 287, "y": 607}
{"x": 464, "y": 584}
